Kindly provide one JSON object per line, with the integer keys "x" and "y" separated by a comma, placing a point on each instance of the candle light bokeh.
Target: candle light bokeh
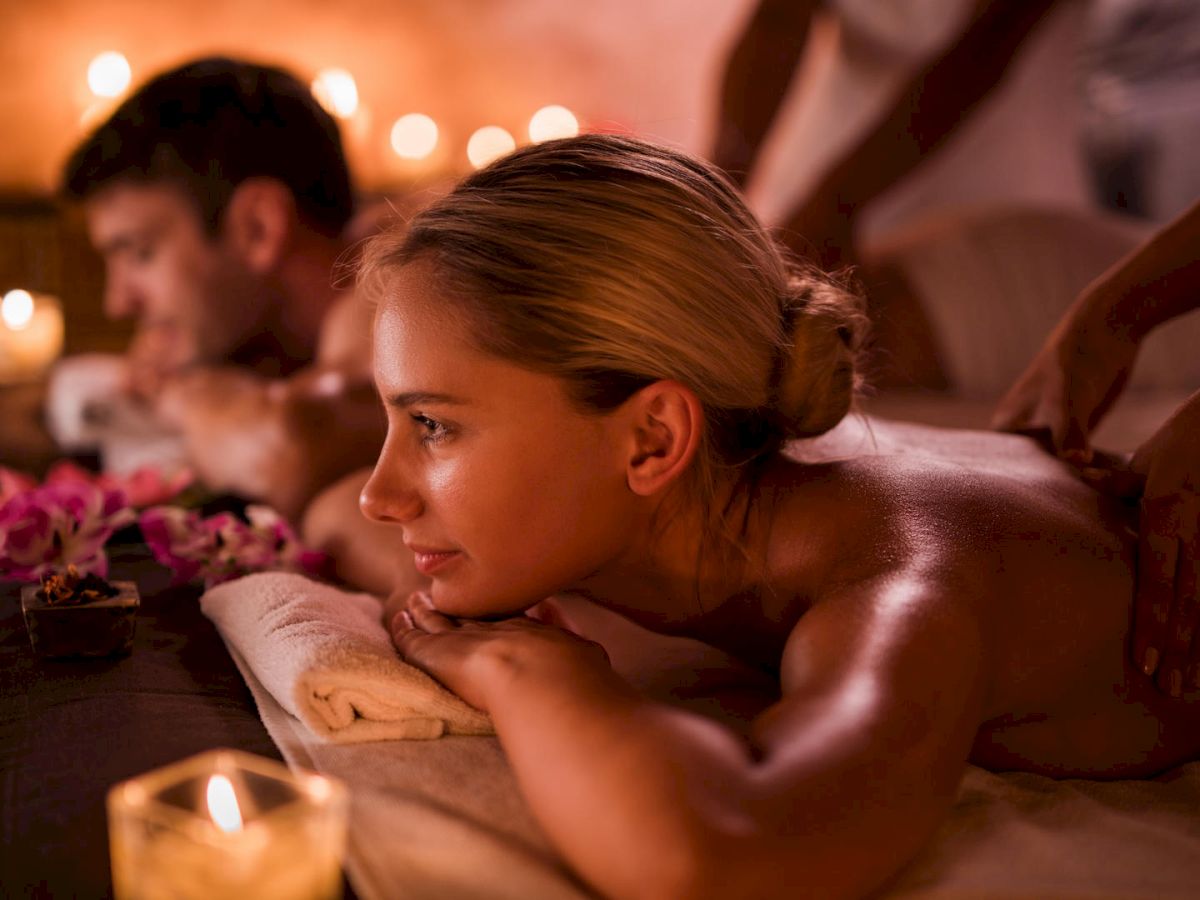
{"x": 227, "y": 824}
{"x": 31, "y": 335}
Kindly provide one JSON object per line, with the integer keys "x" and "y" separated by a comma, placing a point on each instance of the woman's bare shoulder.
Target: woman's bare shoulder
{"x": 887, "y": 494}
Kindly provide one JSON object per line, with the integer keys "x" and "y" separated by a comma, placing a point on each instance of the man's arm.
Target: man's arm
{"x": 276, "y": 441}
{"x": 756, "y": 78}
{"x": 280, "y": 441}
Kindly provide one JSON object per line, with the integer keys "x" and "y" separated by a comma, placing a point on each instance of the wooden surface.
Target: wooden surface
{"x": 70, "y": 729}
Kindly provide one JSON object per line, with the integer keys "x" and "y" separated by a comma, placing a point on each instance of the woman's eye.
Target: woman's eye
{"x": 143, "y": 253}
{"x": 431, "y": 430}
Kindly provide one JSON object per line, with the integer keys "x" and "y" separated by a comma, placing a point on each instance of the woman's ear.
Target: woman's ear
{"x": 259, "y": 222}
{"x": 667, "y": 423}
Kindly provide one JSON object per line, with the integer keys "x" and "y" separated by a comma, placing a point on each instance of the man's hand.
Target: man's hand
{"x": 1069, "y": 386}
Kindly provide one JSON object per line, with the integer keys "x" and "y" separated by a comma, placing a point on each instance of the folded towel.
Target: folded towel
{"x": 325, "y": 656}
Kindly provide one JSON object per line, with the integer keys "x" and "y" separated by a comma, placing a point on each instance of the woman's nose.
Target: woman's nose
{"x": 386, "y": 497}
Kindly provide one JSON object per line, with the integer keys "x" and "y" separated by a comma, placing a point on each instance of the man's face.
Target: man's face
{"x": 193, "y": 298}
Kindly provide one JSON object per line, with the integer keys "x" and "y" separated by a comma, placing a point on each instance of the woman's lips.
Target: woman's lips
{"x": 428, "y": 560}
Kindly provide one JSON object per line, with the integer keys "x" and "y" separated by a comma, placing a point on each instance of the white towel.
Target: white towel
{"x": 327, "y": 659}
{"x": 444, "y": 820}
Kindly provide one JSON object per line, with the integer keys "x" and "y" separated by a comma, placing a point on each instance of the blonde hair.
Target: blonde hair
{"x": 612, "y": 263}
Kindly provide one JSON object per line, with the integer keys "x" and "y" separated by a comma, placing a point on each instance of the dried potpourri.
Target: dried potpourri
{"x": 70, "y": 588}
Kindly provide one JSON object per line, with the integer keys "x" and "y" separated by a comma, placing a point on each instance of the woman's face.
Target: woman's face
{"x": 505, "y": 492}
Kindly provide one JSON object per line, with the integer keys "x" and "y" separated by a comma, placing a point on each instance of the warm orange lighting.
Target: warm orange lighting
{"x": 109, "y": 74}
{"x": 552, "y": 122}
{"x": 489, "y": 143}
{"x": 223, "y": 805}
{"x": 414, "y": 136}
{"x": 336, "y": 90}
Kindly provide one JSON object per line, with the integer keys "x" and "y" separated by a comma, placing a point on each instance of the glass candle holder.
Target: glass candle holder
{"x": 227, "y": 824}
{"x": 31, "y": 335}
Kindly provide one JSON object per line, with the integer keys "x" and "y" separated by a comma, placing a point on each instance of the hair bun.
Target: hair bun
{"x": 817, "y": 376}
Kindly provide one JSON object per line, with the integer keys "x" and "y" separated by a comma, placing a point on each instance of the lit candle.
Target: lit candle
{"x": 31, "y": 335}
{"x": 226, "y": 824}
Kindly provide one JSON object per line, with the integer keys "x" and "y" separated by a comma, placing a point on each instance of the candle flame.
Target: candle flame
{"x": 17, "y": 309}
{"x": 223, "y": 805}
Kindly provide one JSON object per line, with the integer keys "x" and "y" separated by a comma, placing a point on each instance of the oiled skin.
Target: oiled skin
{"x": 1047, "y": 561}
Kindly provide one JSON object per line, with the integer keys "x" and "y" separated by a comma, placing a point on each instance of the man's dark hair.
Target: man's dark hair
{"x": 209, "y": 125}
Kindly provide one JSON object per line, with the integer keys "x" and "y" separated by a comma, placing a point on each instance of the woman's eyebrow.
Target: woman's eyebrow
{"x": 417, "y": 398}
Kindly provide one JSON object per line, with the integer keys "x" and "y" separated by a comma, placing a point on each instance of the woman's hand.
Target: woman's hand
{"x": 1165, "y": 473}
{"x": 477, "y": 660}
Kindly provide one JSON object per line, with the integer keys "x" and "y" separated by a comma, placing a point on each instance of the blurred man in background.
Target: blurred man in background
{"x": 217, "y": 195}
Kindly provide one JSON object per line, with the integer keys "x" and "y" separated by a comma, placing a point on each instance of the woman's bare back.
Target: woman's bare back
{"x": 1049, "y": 563}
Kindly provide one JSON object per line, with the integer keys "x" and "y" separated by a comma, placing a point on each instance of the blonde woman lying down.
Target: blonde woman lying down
{"x": 591, "y": 357}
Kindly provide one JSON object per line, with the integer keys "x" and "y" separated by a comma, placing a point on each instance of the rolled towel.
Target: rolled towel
{"x": 325, "y": 656}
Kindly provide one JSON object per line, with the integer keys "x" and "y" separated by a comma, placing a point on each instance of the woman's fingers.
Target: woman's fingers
{"x": 425, "y": 616}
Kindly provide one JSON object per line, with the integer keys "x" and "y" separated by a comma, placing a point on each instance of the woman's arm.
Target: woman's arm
{"x": 840, "y": 783}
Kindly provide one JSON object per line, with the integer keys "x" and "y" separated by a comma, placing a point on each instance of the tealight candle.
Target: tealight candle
{"x": 31, "y": 335}
{"x": 227, "y": 824}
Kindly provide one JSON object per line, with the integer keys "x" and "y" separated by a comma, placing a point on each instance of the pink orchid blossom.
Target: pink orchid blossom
{"x": 13, "y": 482}
{"x": 51, "y": 526}
{"x": 224, "y": 546}
{"x": 145, "y": 486}
{"x": 176, "y": 538}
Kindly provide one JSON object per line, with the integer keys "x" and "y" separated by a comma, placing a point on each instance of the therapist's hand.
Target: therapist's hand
{"x": 1070, "y": 385}
{"x": 1165, "y": 472}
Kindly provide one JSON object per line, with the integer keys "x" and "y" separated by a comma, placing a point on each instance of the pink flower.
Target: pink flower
{"x": 143, "y": 487}
{"x": 13, "y": 482}
{"x": 148, "y": 485}
{"x": 223, "y": 546}
{"x": 176, "y": 538}
{"x": 47, "y": 527}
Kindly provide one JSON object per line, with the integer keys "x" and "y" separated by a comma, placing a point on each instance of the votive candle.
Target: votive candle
{"x": 31, "y": 335}
{"x": 227, "y": 824}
